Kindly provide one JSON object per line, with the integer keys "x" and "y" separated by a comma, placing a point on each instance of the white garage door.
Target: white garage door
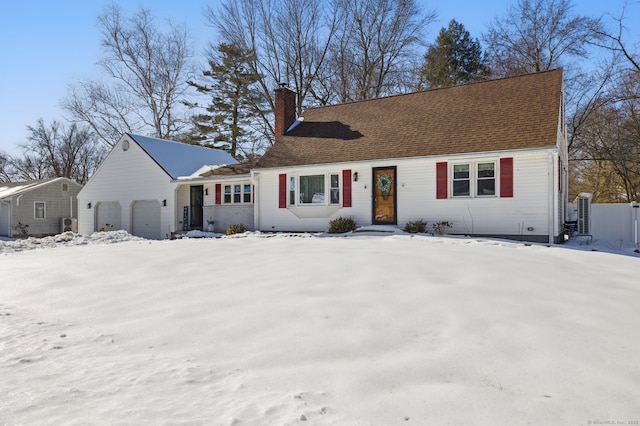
{"x": 108, "y": 216}
{"x": 146, "y": 219}
{"x": 4, "y": 219}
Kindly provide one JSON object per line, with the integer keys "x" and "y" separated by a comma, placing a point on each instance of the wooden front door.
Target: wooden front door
{"x": 384, "y": 195}
{"x": 196, "y": 203}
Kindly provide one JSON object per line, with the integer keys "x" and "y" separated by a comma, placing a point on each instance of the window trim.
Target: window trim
{"x": 294, "y": 185}
{"x": 474, "y": 178}
{"x": 478, "y": 178}
{"x": 230, "y": 197}
{"x": 44, "y": 210}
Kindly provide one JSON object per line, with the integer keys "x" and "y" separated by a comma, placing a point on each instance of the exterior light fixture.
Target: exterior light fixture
{"x": 355, "y": 177}
{"x": 164, "y": 203}
{"x": 89, "y": 205}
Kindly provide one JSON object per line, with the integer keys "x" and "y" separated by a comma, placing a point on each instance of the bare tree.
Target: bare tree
{"x": 615, "y": 42}
{"x": 371, "y": 54}
{"x": 538, "y": 35}
{"x": 147, "y": 70}
{"x": 55, "y": 150}
{"x": 288, "y": 40}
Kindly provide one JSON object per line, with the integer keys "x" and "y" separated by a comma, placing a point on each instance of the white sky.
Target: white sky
{"x": 46, "y": 45}
{"x": 293, "y": 329}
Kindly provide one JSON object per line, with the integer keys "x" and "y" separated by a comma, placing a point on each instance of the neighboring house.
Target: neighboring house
{"x": 143, "y": 186}
{"x": 46, "y": 207}
{"x": 489, "y": 158}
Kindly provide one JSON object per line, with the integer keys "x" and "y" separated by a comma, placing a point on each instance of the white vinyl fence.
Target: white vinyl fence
{"x": 619, "y": 222}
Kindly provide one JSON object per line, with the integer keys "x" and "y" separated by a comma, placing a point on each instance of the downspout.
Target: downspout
{"x": 255, "y": 182}
{"x": 551, "y": 191}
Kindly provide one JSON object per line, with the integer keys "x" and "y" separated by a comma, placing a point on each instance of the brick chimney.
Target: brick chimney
{"x": 285, "y": 110}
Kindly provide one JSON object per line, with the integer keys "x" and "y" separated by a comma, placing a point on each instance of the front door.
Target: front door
{"x": 384, "y": 196}
{"x": 195, "y": 218}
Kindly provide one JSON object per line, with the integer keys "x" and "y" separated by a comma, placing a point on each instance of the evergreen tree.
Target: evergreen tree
{"x": 226, "y": 122}
{"x": 454, "y": 58}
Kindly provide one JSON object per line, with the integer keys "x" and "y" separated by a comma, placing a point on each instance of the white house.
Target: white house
{"x": 489, "y": 158}
{"x": 38, "y": 207}
{"x": 140, "y": 187}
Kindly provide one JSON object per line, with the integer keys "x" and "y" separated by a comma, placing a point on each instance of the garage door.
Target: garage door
{"x": 108, "y": 216}
{"x": 146, "y": 219}
{"x": 4, "y": 219}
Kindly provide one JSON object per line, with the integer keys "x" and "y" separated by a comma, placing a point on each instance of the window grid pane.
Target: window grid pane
{"x": 335, "y": 189}
{"x": 486, "y": 184}
{"x": 461, "y": 181}
{"x": 39, "y": 211}
{"x": 247, "y": 193}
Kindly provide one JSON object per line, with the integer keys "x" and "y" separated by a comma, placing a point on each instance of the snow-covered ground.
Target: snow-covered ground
{"x": 289, "y": 329}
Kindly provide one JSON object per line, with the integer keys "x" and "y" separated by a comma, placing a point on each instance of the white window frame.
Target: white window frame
{"x": 454, "y": 180}
{"x": 231, "y": 195}
{"x": 35, "y": 209}
{"x": 474, "y": 178}
{"x": 478, "y": 178}
{"x": 295, "y": 185}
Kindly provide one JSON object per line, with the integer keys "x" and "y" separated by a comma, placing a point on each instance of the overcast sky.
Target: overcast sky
{"x": 46, "y": 45}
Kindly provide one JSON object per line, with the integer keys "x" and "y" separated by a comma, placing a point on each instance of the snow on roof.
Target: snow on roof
{"x": 179, "y": 159}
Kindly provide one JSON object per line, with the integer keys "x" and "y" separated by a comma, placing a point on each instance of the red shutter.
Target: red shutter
{"x": 506, "y": 177}
{"x": 218, "y": 193}
{"x": 282, "y": 191}
{"x": 441, "y": 180}
{"x": 346, "y": 188}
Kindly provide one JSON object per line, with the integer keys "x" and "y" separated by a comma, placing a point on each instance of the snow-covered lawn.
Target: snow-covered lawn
{"x": 295, "y": 329}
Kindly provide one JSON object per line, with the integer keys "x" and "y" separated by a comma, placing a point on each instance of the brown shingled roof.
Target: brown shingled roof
{"x": 504, "y": 114}
{"x": 230, "y": 170}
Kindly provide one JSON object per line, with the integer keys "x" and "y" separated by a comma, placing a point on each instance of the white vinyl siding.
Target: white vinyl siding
{"x": 127, "y": 176}
{"x": 416, "y": 197}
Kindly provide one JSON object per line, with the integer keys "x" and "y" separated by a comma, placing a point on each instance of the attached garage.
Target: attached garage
{"x": 146, "y": 219}
{"x": 108, "y": 216}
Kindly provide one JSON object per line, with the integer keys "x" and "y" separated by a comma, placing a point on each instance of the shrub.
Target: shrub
{"x": 341, "y": 225}
{"x": 415, "y": 227}
{"x": 441, "y": 228}
{"x": 236, "y": 229}
{"x": 23, "y": 228}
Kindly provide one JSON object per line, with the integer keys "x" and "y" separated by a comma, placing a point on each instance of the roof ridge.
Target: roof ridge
{"x": 471, "y": 83}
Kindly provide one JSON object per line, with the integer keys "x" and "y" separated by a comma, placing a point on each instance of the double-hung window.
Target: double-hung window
{"x": 227, "y": 194}
{"x": 334, "y": 180}
{"x": 474, "y": 179}
{"x": 486, "y": 179}
{"x": 237, "y": 193}
{"x": 39, "y": 210}
{"x": 461, "y": 180}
